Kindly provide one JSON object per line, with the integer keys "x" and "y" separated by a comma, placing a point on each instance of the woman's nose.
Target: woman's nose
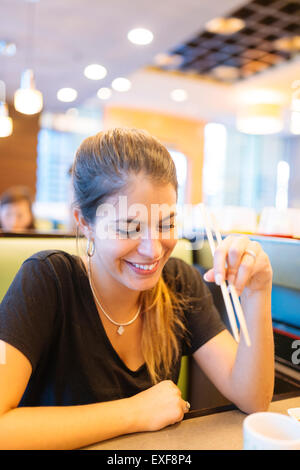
{"x": 150, "y": 248}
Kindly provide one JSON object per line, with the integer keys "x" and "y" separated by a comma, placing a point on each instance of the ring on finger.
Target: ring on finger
{"x": 187, "y": 406}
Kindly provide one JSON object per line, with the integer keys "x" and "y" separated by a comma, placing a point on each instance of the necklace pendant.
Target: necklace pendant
{"x": 120, "y": 330}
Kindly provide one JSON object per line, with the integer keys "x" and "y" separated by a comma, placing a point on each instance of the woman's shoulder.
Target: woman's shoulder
{"x": 55, "y": 261}
{"x": 49, "y": 254}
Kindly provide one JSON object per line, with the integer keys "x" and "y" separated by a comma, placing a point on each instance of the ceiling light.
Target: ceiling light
{"x": 95, "y": 72}
{"x": 290, "y": 44}
{"x": 225, "y": 72}
{"x": 104, "y": 93}
{"x": 67, "y": 95}
{"x": 261, "y": 119}
{"x": 27, "y": 99}
{"x": 121, "y": 84}
{"x": 140, "y": 36}
{"x": 168, "y": 60}
{"x": 225, "y": 25}
{"x": 179, "y": 95}
{"x": 6, "y": 124}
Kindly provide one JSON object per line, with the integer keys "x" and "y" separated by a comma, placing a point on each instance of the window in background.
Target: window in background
{"x": 256, "y": 167}
{"x": 56, "y": 152}
{"x": 283, "y": 174}
{"x": 292, "y": 157}
{"x": 251, "y": 171}
{"x": 215, "y": 146}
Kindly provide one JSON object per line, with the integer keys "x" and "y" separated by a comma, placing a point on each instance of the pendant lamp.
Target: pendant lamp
{"x": 27, "y": 99}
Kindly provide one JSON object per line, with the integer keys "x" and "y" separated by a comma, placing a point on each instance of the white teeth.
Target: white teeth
{"x": 146, "y": 267}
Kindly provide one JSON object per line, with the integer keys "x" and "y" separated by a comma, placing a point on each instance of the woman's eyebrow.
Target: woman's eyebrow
{"x": 170, "y": 216}
{"x": 135, "y": 219}
{"x": 130, "y": 219}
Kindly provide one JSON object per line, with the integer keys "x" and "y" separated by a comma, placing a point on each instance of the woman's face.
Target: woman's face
{"x": 135, "y": 234}
{"x": 15, "y": 216}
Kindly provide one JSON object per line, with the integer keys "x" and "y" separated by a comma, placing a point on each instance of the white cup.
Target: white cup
{"x": 271, "y": 431}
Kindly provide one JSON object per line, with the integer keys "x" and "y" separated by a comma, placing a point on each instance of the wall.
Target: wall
{"x": 177, "y": 133}
{"x": 18, "y": 152}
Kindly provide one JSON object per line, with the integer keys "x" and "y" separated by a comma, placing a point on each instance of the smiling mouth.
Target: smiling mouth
{"x": 143, "y": 268}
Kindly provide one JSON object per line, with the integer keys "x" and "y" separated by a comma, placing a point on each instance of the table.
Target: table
{"x": 218, "y": 430}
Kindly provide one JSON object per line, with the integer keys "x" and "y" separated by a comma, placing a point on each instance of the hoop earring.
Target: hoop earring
{"x": 90, "y": 248}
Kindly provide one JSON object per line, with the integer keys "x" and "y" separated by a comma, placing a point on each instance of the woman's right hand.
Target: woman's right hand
{"x": 158, "y": 406}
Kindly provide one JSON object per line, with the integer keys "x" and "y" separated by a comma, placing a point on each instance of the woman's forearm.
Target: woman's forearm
{"x": 64, "y": 428}
{"x": 253, "y": 371}
{"x": 73, "y": 427}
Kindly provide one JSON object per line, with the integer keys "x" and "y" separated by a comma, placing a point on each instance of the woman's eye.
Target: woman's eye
{"x": 129, "y": 231}
{"x": 166, "y": 227}
{"x": 126, "y": 232}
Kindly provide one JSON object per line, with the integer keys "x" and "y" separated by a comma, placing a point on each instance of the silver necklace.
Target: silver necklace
{"x": 120, "y": 329}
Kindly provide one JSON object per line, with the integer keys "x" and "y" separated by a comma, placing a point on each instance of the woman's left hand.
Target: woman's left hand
{"x": 241, "y": 262}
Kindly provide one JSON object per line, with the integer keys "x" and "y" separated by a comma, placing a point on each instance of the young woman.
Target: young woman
{"x": 16, "y": 210}
{"x": 94, "y": 343}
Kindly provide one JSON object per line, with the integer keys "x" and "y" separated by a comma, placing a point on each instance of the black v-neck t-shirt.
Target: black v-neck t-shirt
{"x": 49, "y": 314}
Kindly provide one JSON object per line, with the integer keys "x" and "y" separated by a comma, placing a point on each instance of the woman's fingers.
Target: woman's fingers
{"x": 233, "y": 263}
{"x": 247, "y": 267}
{"x": 159, "y": 406}
{"x": 241, "y": 262}
{"x": 228, "y": 257}
{"x": 235, "y": 254}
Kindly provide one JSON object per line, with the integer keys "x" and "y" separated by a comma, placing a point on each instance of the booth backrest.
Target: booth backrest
{"x": 15, "y": 250}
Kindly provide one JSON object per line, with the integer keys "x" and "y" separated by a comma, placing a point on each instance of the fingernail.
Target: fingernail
{"x": 218, "y": 279}
{"x": 205, "y": 277}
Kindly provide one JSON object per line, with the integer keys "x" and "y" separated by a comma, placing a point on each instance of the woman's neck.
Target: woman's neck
{"x": 118, "y": 301}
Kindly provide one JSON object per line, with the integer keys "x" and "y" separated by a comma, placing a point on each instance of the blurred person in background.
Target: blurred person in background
{"x": 16, "y": 210}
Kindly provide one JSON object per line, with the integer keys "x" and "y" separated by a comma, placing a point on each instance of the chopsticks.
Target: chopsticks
{"x": 227, "y": 300}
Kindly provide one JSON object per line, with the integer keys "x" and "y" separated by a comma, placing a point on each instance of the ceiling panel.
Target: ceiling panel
{"x": 241, "y": 55}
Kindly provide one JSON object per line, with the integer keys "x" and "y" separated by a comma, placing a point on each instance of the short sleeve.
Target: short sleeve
{"x": 27, "y": 312}
{"x": 202, "y": 319}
